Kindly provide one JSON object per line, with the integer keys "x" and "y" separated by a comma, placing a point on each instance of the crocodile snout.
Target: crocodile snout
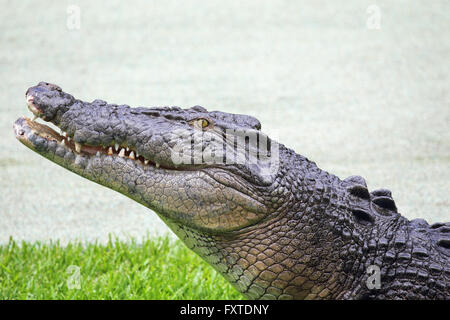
{"x": 42, "y": 87}
{"x": 46, "y": 99}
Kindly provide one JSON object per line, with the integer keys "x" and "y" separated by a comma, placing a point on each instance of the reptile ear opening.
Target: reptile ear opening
{"x": 445, "y": 243}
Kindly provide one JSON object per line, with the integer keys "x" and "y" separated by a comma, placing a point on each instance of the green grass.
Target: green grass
{"x": 158, "y": 268}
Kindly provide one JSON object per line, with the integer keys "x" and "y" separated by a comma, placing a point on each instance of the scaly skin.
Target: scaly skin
{"x": 294, "y": 233}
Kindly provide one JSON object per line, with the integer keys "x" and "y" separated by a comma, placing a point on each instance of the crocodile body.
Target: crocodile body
{"x": 278, "y": 229}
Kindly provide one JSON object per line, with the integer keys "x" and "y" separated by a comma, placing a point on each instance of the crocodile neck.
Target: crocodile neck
{"x": 313, "y": 247}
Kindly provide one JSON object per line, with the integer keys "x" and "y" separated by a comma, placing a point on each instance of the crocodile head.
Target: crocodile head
{"x": 196, "y": 168}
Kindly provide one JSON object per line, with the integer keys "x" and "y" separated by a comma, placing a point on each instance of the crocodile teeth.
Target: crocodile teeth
{"x": 110, "y": 151}
{"x": 63, "y": 142}
{"x": 128, "y": 149}
{"x": 68, "y": 138}
{"x": 64, "y": 134}
{"x": 116, "y": 146}
{"x": 131, "y": 156}
{"x": 98, "y": 154}
{"x": 77, "y": 147}
{"x": 137, "y": 155}
{"x": 157, "y": 164}
{"x": 122, "y": 153}
{"x": 145, "y": 161}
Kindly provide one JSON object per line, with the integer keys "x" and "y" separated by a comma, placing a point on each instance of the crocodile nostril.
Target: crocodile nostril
{"x": 53, "y": 86}
{"x": 48, "y": 86}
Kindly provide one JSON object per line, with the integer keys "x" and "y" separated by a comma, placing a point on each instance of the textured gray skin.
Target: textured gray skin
{"x": 301, "y": 233}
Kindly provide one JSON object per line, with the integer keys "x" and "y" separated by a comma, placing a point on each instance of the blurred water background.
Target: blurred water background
{"x": 359, "y": 87}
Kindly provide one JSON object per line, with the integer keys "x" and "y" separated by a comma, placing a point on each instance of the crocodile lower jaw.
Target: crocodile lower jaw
{"x": 64, "y": 140}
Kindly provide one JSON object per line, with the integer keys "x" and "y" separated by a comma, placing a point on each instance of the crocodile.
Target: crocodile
{"x": 266, "y": 218}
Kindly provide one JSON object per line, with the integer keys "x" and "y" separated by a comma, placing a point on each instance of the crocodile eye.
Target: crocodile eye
{"x": 200, "y": 123}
